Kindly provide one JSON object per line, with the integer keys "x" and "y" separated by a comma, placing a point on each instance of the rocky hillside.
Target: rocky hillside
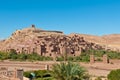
{"x": 48, "y": 43}
{"x": 111, "y": 41}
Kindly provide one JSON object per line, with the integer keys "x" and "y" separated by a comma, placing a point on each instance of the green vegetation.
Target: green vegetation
{"x": 39, "y": 75}
{"x": 100, "y": 53}
{"x": 22, "y": 57}
{"x": 62, "y": 71}
{"x": 98, "y": 78}
{"x": 69, "y": 71}
{"x": 84, "y": 57}
{"x": 114, "y": 75}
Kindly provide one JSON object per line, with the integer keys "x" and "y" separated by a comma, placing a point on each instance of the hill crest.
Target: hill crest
{"x": 54, "y": 43}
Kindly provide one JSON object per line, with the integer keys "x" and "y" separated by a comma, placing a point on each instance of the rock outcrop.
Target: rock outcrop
{"x": 46, "y": 43}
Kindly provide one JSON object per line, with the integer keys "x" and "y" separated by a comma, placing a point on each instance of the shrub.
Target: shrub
{"x": 3, "y": 55}
{"x": 98, "y": 78}
{"x": 38, "y": 73}
{"x": 114, "y": 75}
{"x": 78, "y": 58}
{"x": 59, "y": 58}
{"x": 69, "y": 71}
{"x": 70, "y": 58}
{"x": 27, "y": 74}
{"x": 85, "y": 58}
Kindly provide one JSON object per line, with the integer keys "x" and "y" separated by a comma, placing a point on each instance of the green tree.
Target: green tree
{"x": 114, "y": 75}
{"x": 22, "y": 56}
{"x": 69, "y": 71}
{"x": 4, "y": 55}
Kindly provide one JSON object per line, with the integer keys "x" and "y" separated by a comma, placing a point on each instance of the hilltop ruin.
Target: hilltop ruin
{"x": 46, "y": 43}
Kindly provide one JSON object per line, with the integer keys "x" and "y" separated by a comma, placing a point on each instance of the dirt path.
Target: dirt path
{"x": 97, "y": 69}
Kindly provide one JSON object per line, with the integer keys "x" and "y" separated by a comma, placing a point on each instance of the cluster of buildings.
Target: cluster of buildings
{"x": 46, "y": 43}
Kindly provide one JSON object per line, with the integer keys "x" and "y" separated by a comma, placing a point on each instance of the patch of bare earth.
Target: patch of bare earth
{"x": 95, "y": 69}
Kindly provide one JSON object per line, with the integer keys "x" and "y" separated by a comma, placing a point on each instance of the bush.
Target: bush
{"x": 27, "y": 74}
{"x": 42, "y": 73}
{"x": 100, "y": 53}
{"x": 70, "y": 58}
{"x": 59, "y": 58}
{"x": 114, "y": 75}
{"x": 85, "y": 57}
{"x": 98, "y": 78}
{"x": 39, "y": 74}
{"x": 23, "y": 56}
{"x": 69, "y": 71}
{"x": 3, "y": 55}
{"x": 78, "y": 58}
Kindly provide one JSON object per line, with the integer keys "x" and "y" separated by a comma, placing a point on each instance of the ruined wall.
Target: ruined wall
{"x": 6, "y": 74}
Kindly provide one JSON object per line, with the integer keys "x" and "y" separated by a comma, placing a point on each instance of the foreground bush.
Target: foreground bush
{"x": 114, "y": 75}
{"x": 39, "y": 74}
{"x": 69, "y": 71}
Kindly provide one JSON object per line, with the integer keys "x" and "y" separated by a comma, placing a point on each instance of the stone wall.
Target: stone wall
{"x": 104, "y": 59}
{"x": 6, "y": 74}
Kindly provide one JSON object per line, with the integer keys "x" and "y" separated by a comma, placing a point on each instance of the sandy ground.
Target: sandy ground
{"x": 95, "y": 69}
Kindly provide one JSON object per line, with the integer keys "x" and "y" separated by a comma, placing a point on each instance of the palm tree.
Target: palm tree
{"x": 68, "y": 71}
